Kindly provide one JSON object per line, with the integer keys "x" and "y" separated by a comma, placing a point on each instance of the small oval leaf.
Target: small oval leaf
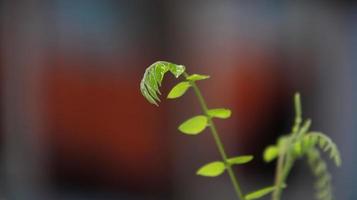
{"x": 239, "y": 160}
{"x": 212, "y": 169}
{"x": 260, "y": 193}
{"x": 179, "y": 90}
{"x": 270, "y": 153}
{"x": 197, "y": 77}
{"x": 194, "y": 126}
{"x": 222, "y": 113}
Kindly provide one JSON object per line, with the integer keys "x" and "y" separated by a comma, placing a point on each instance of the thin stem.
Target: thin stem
{"x": 298, "y": 113}
{"x": 278, "y": 177}
{"x": 285, "y": 162}
{"x": 217, "y": 140}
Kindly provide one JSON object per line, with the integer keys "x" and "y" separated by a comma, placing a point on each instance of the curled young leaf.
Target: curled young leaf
{"x": 179, "y": 90}
{"x": 153, "y": 76}
{"x": 194, "y": 125}
{"x": 212, "y": 169}
{"x": 222, "y": 113}
{"x": 239, "y": 160}
{"x": 309, "y": 142}
{"x": 176, "y": 70}
{"x": 326, "y": 144}
{"x": 323, "y": 182}
{"x": 197, "y": 77}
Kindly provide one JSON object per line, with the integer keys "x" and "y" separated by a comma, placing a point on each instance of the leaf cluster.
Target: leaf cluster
{"x": 300, "y": 143}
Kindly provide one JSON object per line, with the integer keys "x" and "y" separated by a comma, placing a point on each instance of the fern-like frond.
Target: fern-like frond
{"x": 153, "y": 76}
{"x": 302, "y": 142}
{"x": 326, "y": 144}
{"x": 323, "y": 183}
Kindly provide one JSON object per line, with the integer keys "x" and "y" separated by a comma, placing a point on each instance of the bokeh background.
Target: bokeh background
{"x": 75, "y": 126}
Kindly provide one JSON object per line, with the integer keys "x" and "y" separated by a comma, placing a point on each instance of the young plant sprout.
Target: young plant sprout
{"x": 300, "y": 143}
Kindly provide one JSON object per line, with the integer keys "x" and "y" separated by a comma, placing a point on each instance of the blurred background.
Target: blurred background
{"x": 75, "y": 126}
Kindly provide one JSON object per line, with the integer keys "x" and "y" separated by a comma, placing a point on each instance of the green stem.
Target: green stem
{"x": 218, "y": 141}
{"x": 283, "y": 169}
{"x": 285, "y": 162}
{"x": 278, "y": 177}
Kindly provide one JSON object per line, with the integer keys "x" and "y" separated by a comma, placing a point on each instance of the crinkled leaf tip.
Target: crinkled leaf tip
{"x": 153, "y": 76}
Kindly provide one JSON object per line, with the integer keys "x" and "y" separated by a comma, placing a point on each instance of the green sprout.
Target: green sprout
{"x": 301, "y": 142}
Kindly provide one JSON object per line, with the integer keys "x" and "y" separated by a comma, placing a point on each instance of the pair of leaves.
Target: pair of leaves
{"x": 197, "y": 124}
{"x": 217, "y": 168}
{"x": 181, "y": 88}
{"x": 154, "y": 75}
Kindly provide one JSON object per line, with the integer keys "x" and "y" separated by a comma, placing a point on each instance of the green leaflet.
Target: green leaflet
{"x": 153, "y": 76}
{"x": 197, "y": 77}
{"x": 222, "y": 113}
{"x": 239, "y": 160}
{"x": 179, "y": 90}
{"x": 271, "y": 153}
{"x": 194, "y": 125}
{"x": 212, "y": 169}
{"x": 260, "y": 193}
